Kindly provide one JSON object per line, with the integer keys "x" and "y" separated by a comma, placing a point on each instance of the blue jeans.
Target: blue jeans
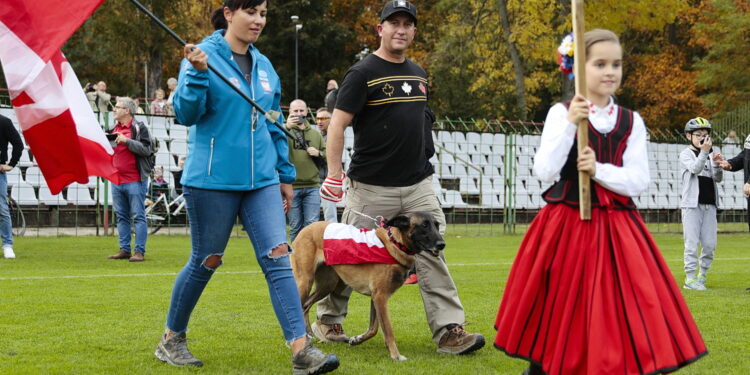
{"x": 212, "y": 215}
{"x": 6, "y": 225}
{"x": 128, "y": 200}
{"x": 305, "y": 209}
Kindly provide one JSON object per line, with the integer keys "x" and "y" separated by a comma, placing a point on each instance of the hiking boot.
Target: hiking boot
{"x": 175, "y": 351}
{"x": 8, "y": 252}
{"x": 122, "y": 254}
{"x": 326, "y": 332}
{"x": 138, "y": 257}
{"x": 412, "y": 279}
{"x": 693, "y": 284}
{"x": 457, "y": 341}
{"x": 310, "y": 361}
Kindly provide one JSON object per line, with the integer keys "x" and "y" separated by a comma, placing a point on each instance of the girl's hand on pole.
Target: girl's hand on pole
{"x": 578, "y": 110}
{"x": 196, "y": 57}
{"x": 587, "y": 161}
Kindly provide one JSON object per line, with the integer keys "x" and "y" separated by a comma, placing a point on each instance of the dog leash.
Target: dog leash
{"x": 380, "y": 222}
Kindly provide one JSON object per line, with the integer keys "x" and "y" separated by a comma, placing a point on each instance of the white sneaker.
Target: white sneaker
{"x": 8, "y": 252}
{"x": 693, "y": 284}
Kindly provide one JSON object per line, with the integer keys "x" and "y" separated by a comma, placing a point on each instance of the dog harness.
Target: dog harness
{"x": 347, "y": 244}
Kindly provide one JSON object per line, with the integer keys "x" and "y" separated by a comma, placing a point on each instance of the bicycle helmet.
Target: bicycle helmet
{"x": 696, "y": 124}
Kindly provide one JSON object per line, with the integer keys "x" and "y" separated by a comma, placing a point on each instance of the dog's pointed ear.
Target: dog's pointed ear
{"x": 401, "y": 222}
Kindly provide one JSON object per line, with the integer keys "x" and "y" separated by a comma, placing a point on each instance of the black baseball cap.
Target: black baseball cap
{"x": 396, "y": 6}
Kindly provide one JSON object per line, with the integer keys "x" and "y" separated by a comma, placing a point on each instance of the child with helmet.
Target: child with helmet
{"x": 699, "y": 166}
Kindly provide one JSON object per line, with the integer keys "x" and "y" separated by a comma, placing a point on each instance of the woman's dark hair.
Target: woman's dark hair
{"x": 217, "y": 17}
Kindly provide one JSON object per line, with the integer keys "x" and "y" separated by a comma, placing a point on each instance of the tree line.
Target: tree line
{"x": 486, "y": 58}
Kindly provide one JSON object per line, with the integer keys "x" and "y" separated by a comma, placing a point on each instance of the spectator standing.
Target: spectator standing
{"x": 171, "y": 86}
{"x": 700, "y": 169}
{"x": 323, "y": 119}
{"x": 132, "y": 150}
{"x": 99, "y": 98}
{"x": 384, "y": 97}
{"x": 307, "y": 154}
{"x": 731, "y": 138}
{"x": 8, "y": 135}
{"x": 742, "y": 162}
{"x": 159, "y": 105}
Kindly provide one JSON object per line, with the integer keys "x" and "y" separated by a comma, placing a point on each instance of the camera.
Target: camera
{"x": 89, "y": 87}
{"x": 300, "y": 143}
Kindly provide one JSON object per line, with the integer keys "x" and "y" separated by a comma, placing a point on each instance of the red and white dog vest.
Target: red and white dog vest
{"x": 347, "y": 244}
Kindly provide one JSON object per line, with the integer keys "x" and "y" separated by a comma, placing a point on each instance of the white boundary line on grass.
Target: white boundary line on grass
{"x": 253, "y": 272}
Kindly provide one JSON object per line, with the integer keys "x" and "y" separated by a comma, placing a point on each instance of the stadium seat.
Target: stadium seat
{"x": 14, "y": 177}
{"x": 23, "y": 194}
{"x": 79, "y": 195}
{"x": 34, "y": 177}
{"x": 453, "y": 199}
{"x": 178, "y": 147}
{"x": 178, "y": 132}
{"x": 47, "y": 198}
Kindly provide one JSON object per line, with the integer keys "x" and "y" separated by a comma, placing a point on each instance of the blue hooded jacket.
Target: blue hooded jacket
{"x": 225, "y": 150}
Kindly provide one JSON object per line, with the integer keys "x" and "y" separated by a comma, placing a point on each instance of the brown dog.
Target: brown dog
{"x": 403, "y": 236}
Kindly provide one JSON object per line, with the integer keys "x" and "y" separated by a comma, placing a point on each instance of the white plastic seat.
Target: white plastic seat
{"x": 34, "y": 177}
{"x": 178, "y": 132}
{"x": 24, "y": 194}
{"x": 160, "y": 133}
{"x": 178, "y": 147}
{"x": 491, "y": 200}
{"x": 165, "y": 160}
{"x": 453, "y": 199}
{"x": 47, "y": 198}
{"x": 467, "y": 185}
{"x": 14, "y": 177}
{"x": 80, "y": 195}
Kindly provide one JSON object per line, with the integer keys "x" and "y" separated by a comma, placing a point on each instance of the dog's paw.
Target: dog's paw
{"x": 399, "y": 358}
{"x": 356, "y": 340}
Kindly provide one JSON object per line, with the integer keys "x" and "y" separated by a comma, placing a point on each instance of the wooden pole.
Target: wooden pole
{"x": 579, "y": 69}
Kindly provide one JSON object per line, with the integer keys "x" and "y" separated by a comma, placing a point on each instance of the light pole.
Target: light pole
{"x": 297, "y": 28}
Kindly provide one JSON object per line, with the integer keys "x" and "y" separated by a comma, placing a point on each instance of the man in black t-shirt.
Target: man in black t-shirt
{"x": 384, "y": 97}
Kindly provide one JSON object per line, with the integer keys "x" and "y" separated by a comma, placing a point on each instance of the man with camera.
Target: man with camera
{"x": 307, "y": 154}
{"x": 132, "y": 145}
{"x": 98, "y": 96}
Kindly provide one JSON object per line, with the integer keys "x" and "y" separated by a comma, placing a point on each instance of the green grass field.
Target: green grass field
{"x": 66, "y": 309}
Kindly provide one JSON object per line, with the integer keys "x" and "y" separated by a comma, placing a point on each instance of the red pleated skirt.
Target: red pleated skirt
{"x": 594, "y": 297}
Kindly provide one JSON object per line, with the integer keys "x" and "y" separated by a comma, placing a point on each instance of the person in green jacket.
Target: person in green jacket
{"x": 307, "y": 154}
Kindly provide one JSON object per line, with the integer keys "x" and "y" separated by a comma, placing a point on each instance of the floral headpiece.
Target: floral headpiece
{"x": 565, "y": 56}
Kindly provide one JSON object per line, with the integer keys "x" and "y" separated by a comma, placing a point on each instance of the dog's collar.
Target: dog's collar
{"x": 399, "y": 245}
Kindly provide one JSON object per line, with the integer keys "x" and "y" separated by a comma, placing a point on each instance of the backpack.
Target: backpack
{"x": 154, "y": 146}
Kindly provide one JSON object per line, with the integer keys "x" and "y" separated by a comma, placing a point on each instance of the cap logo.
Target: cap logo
{"x": 401, "y": 4}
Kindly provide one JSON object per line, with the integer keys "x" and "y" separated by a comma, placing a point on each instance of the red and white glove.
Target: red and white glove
{"x": 329, "y": 183}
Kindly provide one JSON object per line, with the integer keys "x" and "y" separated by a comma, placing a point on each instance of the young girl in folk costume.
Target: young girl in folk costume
{"x": 594, "y": 297}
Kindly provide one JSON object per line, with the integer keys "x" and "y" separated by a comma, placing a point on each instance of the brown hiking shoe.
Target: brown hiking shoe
{"x": 122, "y": 254}
{"x": 138, "y": 257}
{"x": 326, "y": 332}
{"x": 457, "y": 341}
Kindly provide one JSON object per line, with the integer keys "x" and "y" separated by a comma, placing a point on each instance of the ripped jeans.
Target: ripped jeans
{"x": 212, "y": 215}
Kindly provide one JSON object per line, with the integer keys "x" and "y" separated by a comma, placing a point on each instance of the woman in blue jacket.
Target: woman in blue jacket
{"x": 237, "y": 164}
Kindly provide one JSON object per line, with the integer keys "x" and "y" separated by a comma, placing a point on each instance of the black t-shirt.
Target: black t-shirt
{"x": 388, "y": 101}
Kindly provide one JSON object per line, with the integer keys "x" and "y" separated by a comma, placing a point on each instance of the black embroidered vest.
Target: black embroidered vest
{"x": 609, "y": 148}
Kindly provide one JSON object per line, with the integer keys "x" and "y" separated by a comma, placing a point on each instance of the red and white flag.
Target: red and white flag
{"x": 55, "y": 117}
